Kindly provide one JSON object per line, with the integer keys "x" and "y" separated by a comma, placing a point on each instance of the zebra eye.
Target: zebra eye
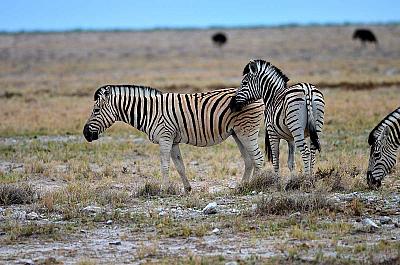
{"x": 96, "y": 111}
{"x": 377, "y": 155}
{"x": 245, "y": 83}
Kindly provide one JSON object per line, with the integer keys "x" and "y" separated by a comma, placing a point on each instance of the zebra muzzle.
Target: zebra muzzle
{"x": 89, "y": 135}
{"x": 372, "y": 182}
{"x": 235, "y": 106}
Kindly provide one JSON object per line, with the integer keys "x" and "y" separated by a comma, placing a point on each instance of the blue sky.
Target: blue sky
{"x": 16, "y": 15}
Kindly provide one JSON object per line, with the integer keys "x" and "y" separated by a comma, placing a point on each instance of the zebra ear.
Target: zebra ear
{"x": 384, "y": 134}
{"x": 253, "y": 67}
{"x": 107, "y": 92}
{"x": 246, "y": 69}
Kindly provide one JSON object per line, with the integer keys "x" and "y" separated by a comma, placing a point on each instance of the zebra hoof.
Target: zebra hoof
{"x": 188, "y": 189}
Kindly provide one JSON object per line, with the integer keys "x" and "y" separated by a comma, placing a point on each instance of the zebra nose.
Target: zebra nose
{"x": 86, "y": 132}
{"x": 234, "y": 105}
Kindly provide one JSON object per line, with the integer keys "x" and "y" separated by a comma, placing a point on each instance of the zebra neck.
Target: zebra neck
{"x": 272, "y": 94}
{"x": 394, "y": 141}
{"x": 140, "y": 111}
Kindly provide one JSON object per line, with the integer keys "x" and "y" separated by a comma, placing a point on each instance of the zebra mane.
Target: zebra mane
{"x": 145, "y": 89}
{"x": 264, "y": 64}
{"x": 373, "y": 135}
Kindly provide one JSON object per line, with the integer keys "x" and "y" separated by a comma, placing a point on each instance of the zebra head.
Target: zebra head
{"x": 382, "y": 158}
{"x": 259, "y": 78}
{"x": 102, "y": 117}
{"x": 247, "y": 92}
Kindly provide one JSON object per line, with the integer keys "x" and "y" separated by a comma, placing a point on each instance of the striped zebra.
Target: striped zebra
{"x": 291, "y": 113}
{"x": 201, "y": 119}
{"x": 384, "y": 140}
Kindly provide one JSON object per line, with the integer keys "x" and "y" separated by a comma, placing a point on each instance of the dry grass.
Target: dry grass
{"x": 48, "y": 89}
{"x": 16, "y": 231}
{"x": 17, "y": 194}
{"x": 263, "y": 182}
{"x": 47, "y": 83}
{"x": 152, "y": 188}
{"x": 286, "y": 203}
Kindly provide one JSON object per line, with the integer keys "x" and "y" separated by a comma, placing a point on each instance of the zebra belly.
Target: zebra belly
{"x": 182, "y": 137}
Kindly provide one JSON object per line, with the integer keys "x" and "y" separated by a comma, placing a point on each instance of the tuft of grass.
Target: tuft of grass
{"x": 301, "y": 234}
{"x": 150, "y": 189}
{"x": 14, "y": 193}
{"x": 35, "y": 167}
{"x": 356, "y": 207}
{"x": 16, "y": 231}
{"x": 301, "y": 182}
{"x": 286, "y": 203}
{"x": 262, "y": 182}
{"x": 147, "y": 251}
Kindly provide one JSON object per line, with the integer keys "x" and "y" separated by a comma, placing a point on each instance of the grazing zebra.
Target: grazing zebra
{"x": 384, "y": 140}
{"x": 201, "y": 119}
{"x": 291, "y": 113}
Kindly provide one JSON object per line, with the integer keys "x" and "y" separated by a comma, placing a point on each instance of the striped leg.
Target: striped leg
{"x": 291, "y": 152}
{"x": 313, "y": 150}
{"x": 274, "y": 141}
{"x": 165, "y": 155}
{"x": 301, "y": 144}
{"x": 250, "y": 145}
{"x": 248, "y": 162}
{"x": 180, "y": 166}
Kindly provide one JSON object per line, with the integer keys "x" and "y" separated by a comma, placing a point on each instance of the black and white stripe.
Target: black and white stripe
{"x": 384, "y": 141}
{"x": 201, "y": 119}
{"x": 291, "y": 113}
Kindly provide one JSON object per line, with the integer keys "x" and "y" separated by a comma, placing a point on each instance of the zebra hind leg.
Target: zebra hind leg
{"x": 165, "y": 155}
{"x": 248, "y": 163}
{"x": 301, "y": 144}
{"x": 313, "y": 150}
{"x": 180, "y": 166}
{"x": 274, "y": 140}
{"x": 291, "y": 152}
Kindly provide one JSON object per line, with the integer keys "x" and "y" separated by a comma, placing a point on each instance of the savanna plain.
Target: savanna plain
{"x": 66, "y": 201}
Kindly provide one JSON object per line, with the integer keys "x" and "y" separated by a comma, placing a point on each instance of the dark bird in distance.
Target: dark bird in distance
{"x": 365, "y": 35}
{"x": 219, "y": 39}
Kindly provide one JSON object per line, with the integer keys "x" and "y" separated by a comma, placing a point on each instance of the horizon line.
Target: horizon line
{"x": 184, "y": 28}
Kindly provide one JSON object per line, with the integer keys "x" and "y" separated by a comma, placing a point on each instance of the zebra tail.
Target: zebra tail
{"x": 268, "y": 149}
{"x": 311, "y": 121}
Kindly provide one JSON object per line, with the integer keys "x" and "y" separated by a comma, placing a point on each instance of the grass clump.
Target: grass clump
{"x": 17, "y": 231}
{"x": 286, "y": 203}
{"x": 150, "y": 189}
{"x": 261, "y": 182}
{"x": 14, "y": 193}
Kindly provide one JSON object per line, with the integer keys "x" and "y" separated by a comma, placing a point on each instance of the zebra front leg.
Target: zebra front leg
{"x": 291, "y": 152}
{"x": 165, "y": 154}
{"x": 180, "y": 166}
{"x": 250, "y": 145}
{"x": 248, "y": 162}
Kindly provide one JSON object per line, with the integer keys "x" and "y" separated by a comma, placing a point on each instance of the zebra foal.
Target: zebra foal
{"x": 384, "y": 141}
{"x": 201, "y": 119}
{"x": 291, "y": 113}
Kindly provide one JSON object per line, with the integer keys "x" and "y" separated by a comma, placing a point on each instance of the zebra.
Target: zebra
{"x": 168, "y": 119}
{"x": 291, "y": 113}
{"x": 384, "y": 141}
